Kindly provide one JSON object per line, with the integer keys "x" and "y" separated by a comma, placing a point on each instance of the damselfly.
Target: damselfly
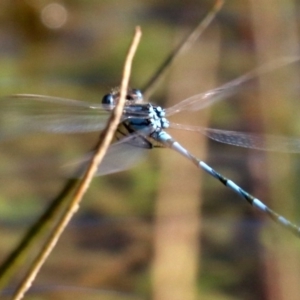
{"x": 143, "y": 127}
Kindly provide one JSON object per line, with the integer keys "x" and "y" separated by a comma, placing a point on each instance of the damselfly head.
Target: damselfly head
{"x": 133, "y": 96}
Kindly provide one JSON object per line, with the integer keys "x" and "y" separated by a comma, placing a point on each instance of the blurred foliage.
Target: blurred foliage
{"x": 107, "y": 251}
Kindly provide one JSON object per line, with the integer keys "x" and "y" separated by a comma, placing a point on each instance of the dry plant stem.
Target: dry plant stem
{"x": 14, "y": 259}
{"x": 182, "y": 47}
{"x": 102, "y": 147}
{"x": 7, "y": 269}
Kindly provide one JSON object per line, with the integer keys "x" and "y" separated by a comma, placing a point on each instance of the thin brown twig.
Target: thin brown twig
{"x": 15, "y": 257}
{"x": 185, "y": 44}
{"x": 101, "y": 149}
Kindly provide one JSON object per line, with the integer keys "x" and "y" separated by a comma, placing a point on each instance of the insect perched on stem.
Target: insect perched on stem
{"x": 144, "y": 125}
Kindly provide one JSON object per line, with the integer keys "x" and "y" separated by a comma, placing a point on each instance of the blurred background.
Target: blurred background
{"x": 163, "y": 230}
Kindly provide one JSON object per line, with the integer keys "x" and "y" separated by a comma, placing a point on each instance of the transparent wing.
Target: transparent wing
{"x": 120, "y": 156}
{"x": 23, "y": 114}
{"x": 26, "y": 113}
{"x": 247, "y": 140}
{"x": 203, "y": 100}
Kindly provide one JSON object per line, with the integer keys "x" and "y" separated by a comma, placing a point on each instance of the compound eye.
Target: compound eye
{"x": 135, "y": 95}
{"x": 108, "y": 99}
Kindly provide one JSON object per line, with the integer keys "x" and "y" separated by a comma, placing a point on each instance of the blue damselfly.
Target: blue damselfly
{"x": 143, "y": 127}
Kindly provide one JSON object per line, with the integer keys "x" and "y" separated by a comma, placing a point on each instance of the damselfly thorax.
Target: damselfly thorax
{"x": 144, "y": 123}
